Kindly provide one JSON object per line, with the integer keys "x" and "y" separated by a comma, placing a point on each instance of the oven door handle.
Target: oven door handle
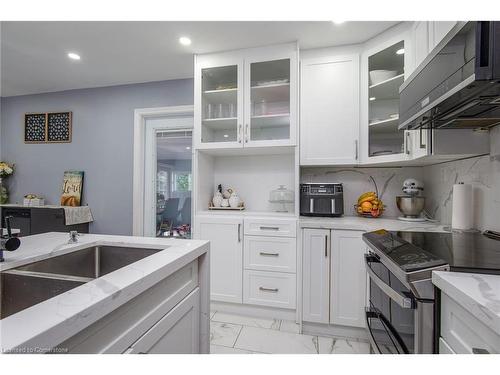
{"x": 401, "y": 300}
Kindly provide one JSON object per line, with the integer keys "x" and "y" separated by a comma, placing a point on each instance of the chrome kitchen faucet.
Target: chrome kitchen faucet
{"x": 8, "y": 242}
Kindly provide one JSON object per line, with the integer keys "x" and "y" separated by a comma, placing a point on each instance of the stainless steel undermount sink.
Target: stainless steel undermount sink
{"x": 36, "y": 282}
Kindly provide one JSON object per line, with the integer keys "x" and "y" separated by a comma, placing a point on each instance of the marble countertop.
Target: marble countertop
{"x": 368, "y": 224}
{"x": 51, "y": 322}
{"x": 477, "y": 293}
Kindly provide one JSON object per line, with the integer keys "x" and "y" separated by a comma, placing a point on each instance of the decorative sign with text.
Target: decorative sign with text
{"x": 72, "y": 188}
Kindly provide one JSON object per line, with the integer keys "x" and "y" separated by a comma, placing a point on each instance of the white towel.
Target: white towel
{"x": 77, "y": 215}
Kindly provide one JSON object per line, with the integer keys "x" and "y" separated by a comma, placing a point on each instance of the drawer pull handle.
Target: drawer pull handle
{"x": 269, "y": 254}
{"x": 269, "y": 228}
{"x": 274, "y": 290}
{"x": 479, "y": 351}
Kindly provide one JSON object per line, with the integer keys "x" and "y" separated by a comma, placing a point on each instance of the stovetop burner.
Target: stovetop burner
{"x": 411, "y": 251}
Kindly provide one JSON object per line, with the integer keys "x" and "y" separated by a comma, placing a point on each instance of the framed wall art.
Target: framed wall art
{"x": 35, "y": 127}
{"x": 49, "y": 127}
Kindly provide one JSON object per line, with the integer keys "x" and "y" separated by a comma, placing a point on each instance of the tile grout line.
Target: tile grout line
{"x": 237, "y": 337}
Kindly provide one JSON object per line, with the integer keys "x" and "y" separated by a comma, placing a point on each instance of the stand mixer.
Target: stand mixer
{"x": 411, "y": 205}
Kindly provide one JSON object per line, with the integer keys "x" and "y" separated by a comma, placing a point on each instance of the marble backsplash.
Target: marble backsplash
{"x": 482, "y": 172}
{"x": 484, "y": 175}
{"x": 356, "y": 181}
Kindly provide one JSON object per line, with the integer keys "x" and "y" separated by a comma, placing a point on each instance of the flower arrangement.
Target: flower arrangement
{"x": 6, "y": 170}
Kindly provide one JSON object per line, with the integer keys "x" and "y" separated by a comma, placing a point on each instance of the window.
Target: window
{"x": 182, "y": 181}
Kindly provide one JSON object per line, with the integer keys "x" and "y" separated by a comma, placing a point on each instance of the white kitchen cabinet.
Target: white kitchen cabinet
{"x": 246, "y": 98}
{"x": 218, "y": 101}
{"x": 348, "y": 278}
{"x": 380, "y": 139}
{"x": 315, "y": 275}
{"x": 175, "y": 333}
{"x": 270, "y": 254}
{"x": 463, "y": 332}
{"x": 329, "y": 109}
{"x": 274, "y": 289}
{"x": 226, "y": 256}
{"x": 119, "y": 330}
{"x": 420, "y": 41}
{"x": 334, "y": 277}
{"x": 426, "y": 35}
{"x": 438, "y": 30}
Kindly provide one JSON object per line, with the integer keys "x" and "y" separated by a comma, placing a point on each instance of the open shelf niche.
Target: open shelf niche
{"x": 253, "y": 175}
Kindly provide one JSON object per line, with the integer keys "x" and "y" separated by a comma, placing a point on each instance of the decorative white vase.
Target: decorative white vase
{"x": 217, "y": 199}
{"x": 234, "y": 200}
{"x": 225, "y": 203}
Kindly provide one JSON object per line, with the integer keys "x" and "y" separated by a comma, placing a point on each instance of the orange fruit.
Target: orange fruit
{"x": 366, "y": 206}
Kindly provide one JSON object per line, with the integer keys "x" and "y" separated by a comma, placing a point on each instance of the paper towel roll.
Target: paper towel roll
{"x": 462, "y": 215}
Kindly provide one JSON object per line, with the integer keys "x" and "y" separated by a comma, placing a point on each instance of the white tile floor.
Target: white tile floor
{"x": 238, "y": 334}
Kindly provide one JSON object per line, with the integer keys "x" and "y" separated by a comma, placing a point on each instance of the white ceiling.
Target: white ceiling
{"x": 34, "y": 57}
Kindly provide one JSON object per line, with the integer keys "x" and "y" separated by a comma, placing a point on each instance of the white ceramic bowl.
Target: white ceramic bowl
{"x": 377, "y": 76}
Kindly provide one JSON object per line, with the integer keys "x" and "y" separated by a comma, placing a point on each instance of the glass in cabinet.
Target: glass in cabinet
{"x": 268, "y": 117}
{"x": 219, "y": 104}
{"x": 385, "y": 75}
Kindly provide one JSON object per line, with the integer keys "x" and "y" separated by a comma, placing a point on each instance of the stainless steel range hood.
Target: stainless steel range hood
{"x": 458, "y": 85}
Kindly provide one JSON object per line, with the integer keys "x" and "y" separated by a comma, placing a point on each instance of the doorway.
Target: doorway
{"x": 166, "y": 171}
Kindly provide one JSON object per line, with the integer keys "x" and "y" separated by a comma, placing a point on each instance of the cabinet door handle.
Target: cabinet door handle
{"x": 269, "y": 228}
{"x": 269, "y": 254}
{"x": 326, "y": 246}
{"x": 246, "y": 133}
{"x": 240, "y": 135}
{"x": 480, "y": 351}
{"x": 422, "y": 143}
{"x": 264, "y": 289}
{"x": 239, "y": 232}
{"x": 356, "y": 150}
{"x": 408, "y": 142}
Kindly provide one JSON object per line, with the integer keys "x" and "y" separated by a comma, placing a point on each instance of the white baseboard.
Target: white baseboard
{"x": 353, "y": 333}
{"x": 252, "y": 310}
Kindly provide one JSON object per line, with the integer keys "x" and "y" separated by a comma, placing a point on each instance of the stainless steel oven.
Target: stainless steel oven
{"x": 397, "y": 321}
{"x": 401, "y": 309}
{"x": 402, "y": 313}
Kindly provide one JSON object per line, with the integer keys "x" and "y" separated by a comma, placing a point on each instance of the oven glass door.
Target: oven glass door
{"x": 391, "y": 315}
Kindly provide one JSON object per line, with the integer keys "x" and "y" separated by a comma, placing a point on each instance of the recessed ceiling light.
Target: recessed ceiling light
{"x": 188, "y": 148}
{"x": 226, "y": 135}
{"x": 185, "y": 41}
{"x": 372, "y": 98}
{"x": 400, "y": 51}
{"x": 73, "y": 56}
{"x": 338, "y": 22}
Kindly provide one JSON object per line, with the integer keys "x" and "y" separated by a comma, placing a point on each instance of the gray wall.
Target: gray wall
{"x": 102, "y": 146}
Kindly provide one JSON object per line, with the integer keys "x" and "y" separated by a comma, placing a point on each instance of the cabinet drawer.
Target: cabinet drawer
{"x": 269, "y": 289}
{"x": 270, "y": 253}
{"x": 463, "y": 332}
{"x": 271, "y": 227}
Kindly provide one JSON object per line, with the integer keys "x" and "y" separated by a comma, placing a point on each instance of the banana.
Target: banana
{"x": 364, "y": 195}
{"x": 368, "y": 198}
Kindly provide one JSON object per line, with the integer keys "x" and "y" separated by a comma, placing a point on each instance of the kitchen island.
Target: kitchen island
{"x": 157, "y": 304}
{"x": 470, "y": 312}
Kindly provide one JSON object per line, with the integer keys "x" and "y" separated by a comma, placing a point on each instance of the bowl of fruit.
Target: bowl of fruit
{"x": 369, "y": 205}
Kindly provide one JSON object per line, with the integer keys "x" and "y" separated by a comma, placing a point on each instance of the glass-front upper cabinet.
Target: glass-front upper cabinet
{"x": 268, "y": 99}
{"x": 219, "y": 102}
{"x": 218, "y": 106}
{"x": 385, "y": 75}
{"x": 246, "y": 98}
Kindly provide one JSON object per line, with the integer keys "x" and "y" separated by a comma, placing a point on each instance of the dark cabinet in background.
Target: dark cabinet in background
{"x": 37, "y": 220}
